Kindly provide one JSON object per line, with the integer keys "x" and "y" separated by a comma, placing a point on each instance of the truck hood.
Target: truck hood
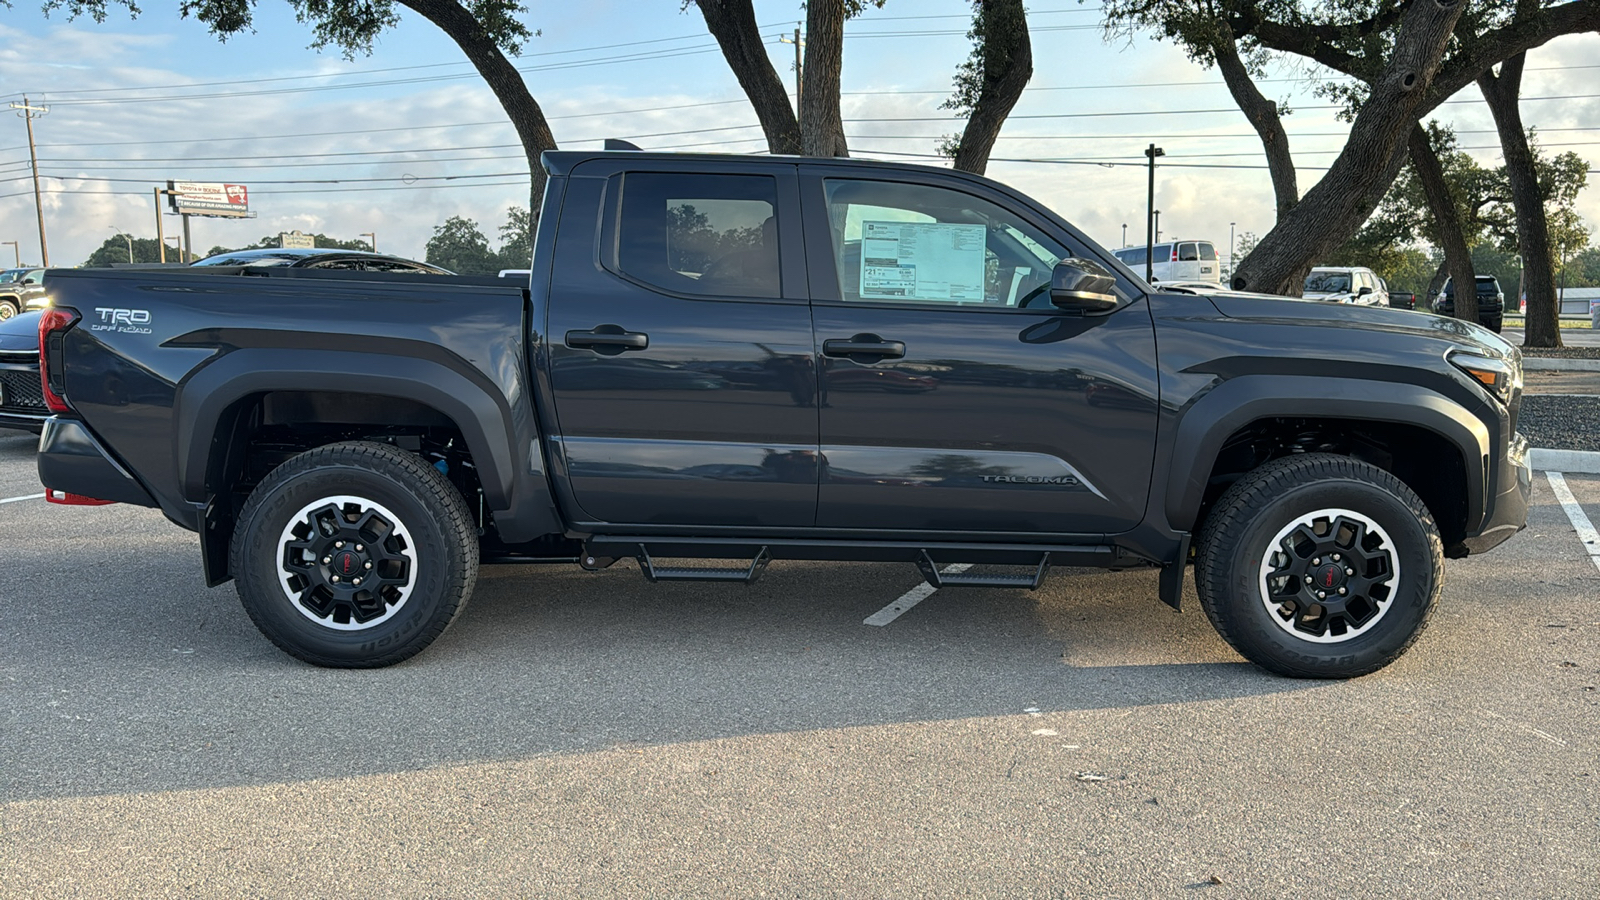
{"x": 1289, "y": 310}
{"x": 20, "y": 332}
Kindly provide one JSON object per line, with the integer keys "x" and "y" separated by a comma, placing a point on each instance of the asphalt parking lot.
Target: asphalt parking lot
{"x": 593, "y": 735}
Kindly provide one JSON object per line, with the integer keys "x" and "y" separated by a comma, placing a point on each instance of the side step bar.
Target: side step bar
{"x": 748, "y": 575}
{"x": 936, "y": 579}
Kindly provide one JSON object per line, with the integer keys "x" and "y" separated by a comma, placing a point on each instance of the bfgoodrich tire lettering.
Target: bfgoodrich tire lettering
{"x": 1319, "y": 566}
{"x": 354, "y": 555}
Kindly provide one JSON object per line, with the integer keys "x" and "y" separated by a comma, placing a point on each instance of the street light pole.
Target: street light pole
{"x": 27, "y": 113}
{"x": 1158, "y": 224}
{"x": 1124, "y": 234}
{"x": 1230, "y": 250}
{"x": 373, "y": 236}
{"x": 1150, "y": 213}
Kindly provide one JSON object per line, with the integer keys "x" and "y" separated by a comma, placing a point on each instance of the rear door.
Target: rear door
{"x": 679, "y": 346}
{"x": 955, "y": 397}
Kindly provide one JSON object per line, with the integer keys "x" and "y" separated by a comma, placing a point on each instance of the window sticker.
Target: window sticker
{"x": 917, "y": 261}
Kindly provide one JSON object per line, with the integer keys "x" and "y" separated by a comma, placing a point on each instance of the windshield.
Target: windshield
{"x": 1328, "y": 283}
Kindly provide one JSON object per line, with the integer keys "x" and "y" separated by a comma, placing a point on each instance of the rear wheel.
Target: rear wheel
{"x": 8, "y": 308}
{"x": 1319, "y": 566}
{"x": 354, "y": 555}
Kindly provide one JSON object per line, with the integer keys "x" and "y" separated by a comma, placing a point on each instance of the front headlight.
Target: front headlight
{"x": 1501, "y": 379}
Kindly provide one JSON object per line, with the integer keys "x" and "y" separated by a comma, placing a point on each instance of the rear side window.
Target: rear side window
{"x": 714, "y": 235}
{"x": 1208, "y": 251}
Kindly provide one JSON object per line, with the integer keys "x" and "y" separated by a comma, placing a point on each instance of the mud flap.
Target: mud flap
{"x": 1171, "y": 587}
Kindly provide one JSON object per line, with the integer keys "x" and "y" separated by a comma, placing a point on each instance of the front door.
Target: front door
{"x": 955, "y": 396}
{"x": 680, "y": 357}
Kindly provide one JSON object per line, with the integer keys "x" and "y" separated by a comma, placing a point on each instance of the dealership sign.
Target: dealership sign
{"x": 199, "y": 198}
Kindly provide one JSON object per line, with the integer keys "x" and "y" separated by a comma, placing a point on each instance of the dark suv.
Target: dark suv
{"x": 1491, "y": 302}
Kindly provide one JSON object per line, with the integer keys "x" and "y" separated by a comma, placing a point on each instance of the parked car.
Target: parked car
{"x": 350, "y": 446}
{"x": 21, "y": 289}
{"x": 1357, "y": 285}
{"x": 1175, "y": 261}
{"x": 21, "y": 394}
{"x": 1403, "y": 299}
{"x": 321, "y": 258}
{"x": 1491, "y": 302}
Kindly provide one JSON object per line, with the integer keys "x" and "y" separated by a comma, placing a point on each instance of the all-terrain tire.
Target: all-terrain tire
{"x": 354, "y": 555}
{"x": 1319, "y": 523}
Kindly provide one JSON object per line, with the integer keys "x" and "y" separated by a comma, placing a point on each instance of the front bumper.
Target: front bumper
{"x": 1508, "y": 510}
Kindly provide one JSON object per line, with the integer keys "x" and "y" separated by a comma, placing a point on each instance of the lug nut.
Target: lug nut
{"x": 367, "y": 565}
{"x": 328, "y": 559}
{"x": 1342, "y": 592}
{"x": 335, "y": 579}
{"x": 1336, "y": 557}
{"x": 356, "y": 581}
{"x": 1316, "y": 560}
{"x": 359, "y": 548}
{"x": 338, "y": 543}
{"x": 1349, "y": 571}
{"x": 1321, "y": 595}
{"x": 1308, "y": 577}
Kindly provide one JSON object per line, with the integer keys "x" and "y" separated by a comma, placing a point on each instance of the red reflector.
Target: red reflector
{"x": 66, "y": 499}
{"x": 52, "y": 322}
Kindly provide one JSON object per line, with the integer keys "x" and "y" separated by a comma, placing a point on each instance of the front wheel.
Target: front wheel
{"x": 1319, "y": 566}
{"x": 8, "y": 308}
{"x": 354, "y": 555}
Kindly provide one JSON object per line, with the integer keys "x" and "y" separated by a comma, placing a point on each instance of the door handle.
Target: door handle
{"x": 608, "y": 339}
{"x": 864, "y": 345}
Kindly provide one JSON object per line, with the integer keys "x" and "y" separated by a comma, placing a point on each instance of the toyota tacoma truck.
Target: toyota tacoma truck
{"x": 718, "y": 361}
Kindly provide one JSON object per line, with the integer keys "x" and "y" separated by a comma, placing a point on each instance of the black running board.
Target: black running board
{"x": 937, "y": 579}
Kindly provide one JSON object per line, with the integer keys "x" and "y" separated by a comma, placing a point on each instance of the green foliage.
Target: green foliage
{"x": 516, "y": 239}
{"x": 115, "y": 251}
{"x": 459, "y": 246}
{"x": 350, "y": 26}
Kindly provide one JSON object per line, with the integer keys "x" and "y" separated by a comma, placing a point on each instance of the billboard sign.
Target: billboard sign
{"x": 199, "y": 198}
{"x": 296, "y": 239}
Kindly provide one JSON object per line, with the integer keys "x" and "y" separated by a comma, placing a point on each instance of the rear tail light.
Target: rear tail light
{"x": 66, "y": 499}
{"x": 1174, "y": 257}
{"x": 53, "y": 327}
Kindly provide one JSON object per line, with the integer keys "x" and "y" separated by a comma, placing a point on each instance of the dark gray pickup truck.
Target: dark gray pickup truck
{"x": 750, "y": 358}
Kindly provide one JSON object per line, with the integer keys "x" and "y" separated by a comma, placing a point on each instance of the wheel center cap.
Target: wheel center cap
{"x": 1328, "y": 578}
{"x": 346, "y": 563}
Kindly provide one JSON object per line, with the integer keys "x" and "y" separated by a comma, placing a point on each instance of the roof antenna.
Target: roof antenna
{"x": 620, "y": 144}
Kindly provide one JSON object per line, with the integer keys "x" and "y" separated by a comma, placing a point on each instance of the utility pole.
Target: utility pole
{"x": 1150, "y": 213}
{"x": 29, "y": 113}
{"x": 161, "y": 235}
{"x": 127, "y": 237}
{"x": 799, "y": 81}
{"x": 374, "y": 236}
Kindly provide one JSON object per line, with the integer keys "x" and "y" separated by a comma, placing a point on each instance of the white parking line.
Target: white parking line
{"x": 20, "y": 499}
{"x": 904, "y": 602}
{"x": 1580, "y": 521}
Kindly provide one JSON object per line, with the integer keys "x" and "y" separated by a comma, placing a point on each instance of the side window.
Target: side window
{"x": 714, "y": 235}
{"x": 1187, "y": 253}
{"x": 910, "y": 243}
{"x": 1208, "y": 252}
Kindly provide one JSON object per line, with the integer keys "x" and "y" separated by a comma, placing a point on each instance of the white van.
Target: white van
{"x": 1175, "y": 261}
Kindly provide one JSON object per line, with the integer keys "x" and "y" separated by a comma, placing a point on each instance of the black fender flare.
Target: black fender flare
{"x": 204, "y": 398}
{"x": 1235, "y": 403}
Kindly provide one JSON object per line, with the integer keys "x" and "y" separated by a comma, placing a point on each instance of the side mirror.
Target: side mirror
{"x": 1082, "y": 284}
{"x": 1364, "y": 292}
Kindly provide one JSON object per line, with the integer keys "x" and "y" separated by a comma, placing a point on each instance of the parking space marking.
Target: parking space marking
{"x": 1575, "y": 513}
{"x": 904, "y": 602}
{"x": 20, "y": 499}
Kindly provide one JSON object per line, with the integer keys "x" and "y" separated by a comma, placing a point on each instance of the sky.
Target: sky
{"x": 395, "y": 142}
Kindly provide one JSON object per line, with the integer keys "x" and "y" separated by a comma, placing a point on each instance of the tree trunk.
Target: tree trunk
{"x": 1533, "y": 230}
{"x": 821, "y": 127}
{"x": 503, "y": 79}
{"x": 733, "y": 24}
{"x": 1007, "y": 58}
{"x": 1337, "y": 205}
{"x": 1447, "y": 223}
{"x": 1264, "y": 118}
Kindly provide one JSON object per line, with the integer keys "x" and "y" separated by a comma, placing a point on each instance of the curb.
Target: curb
{"x": 1559, "y": 364}
{"x": 1583, "y": 462}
